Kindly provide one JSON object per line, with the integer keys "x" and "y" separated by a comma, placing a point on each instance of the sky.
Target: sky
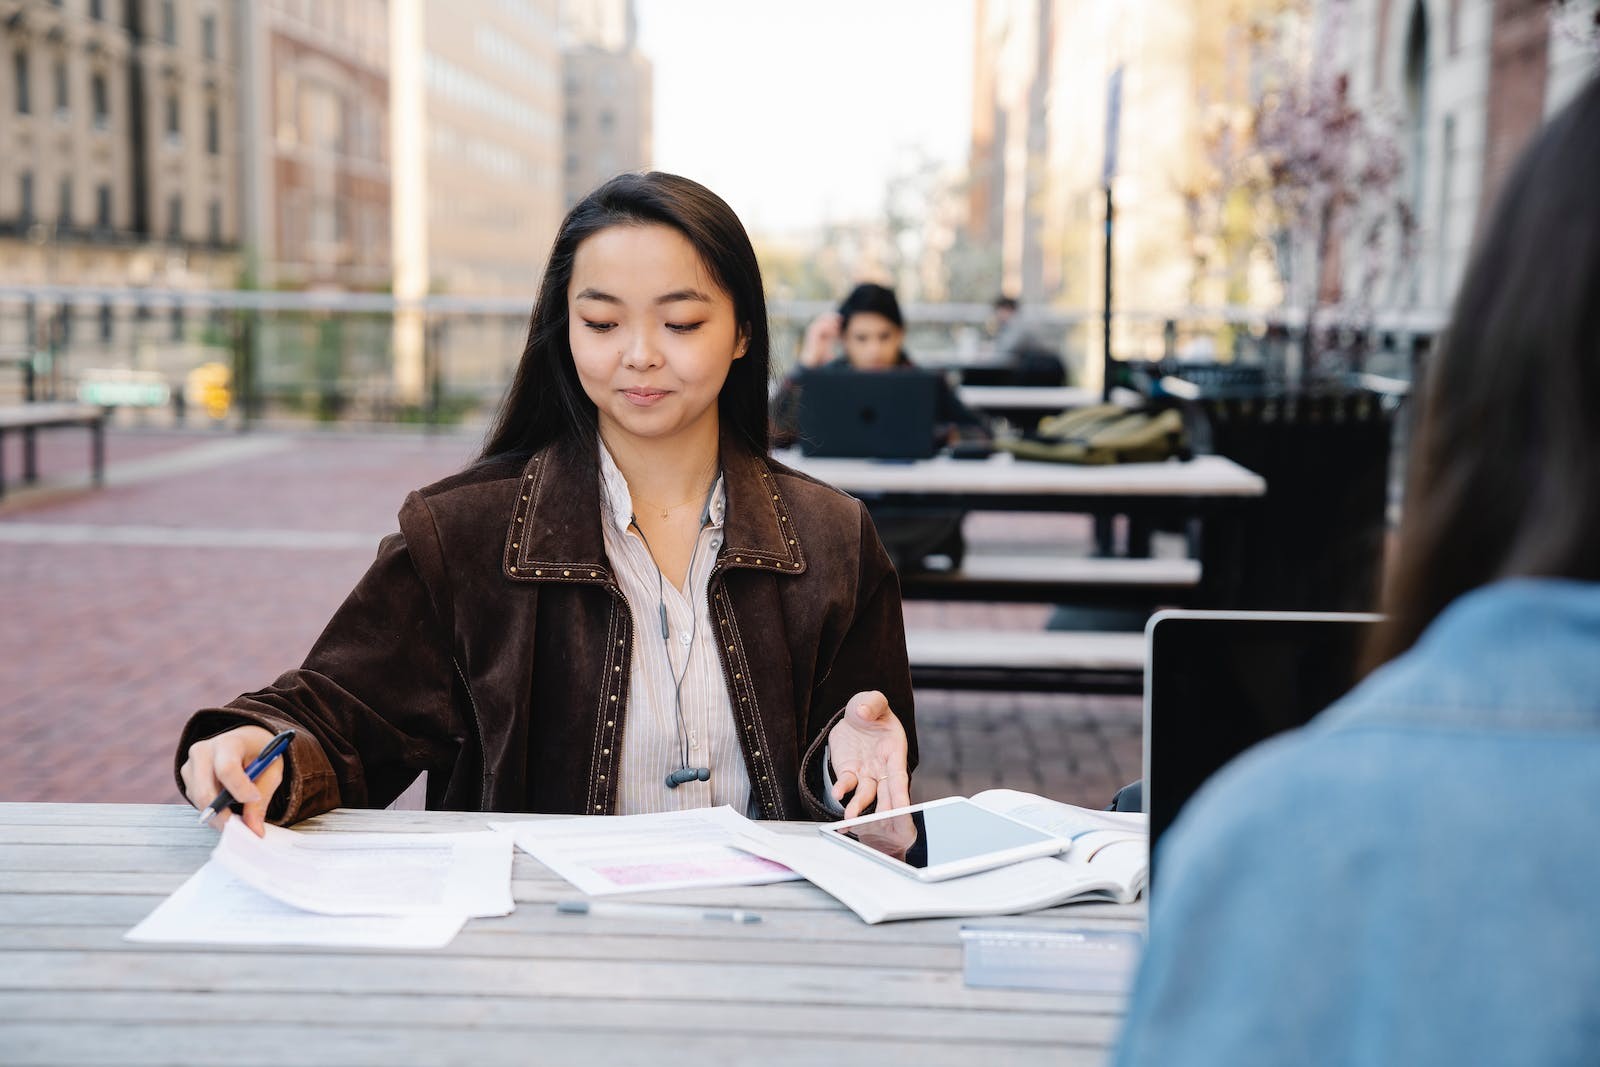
{"x": 797, "y": 112}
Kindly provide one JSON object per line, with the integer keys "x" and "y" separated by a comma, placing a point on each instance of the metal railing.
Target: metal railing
{"x": 331, "y": 356}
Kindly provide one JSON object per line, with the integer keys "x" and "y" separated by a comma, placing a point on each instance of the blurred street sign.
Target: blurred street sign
{"x": 115, "y": 388}
{"x": 1108, "y": 169}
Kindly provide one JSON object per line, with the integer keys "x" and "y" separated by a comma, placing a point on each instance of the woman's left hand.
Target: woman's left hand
{"x": 868, "y": 752}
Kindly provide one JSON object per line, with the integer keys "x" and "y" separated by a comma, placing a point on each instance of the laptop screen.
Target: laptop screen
{"x": 886, "y": 414}
{"x": 1217, "y": 682}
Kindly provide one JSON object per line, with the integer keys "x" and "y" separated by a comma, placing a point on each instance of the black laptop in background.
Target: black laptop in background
{"x": 886, "y": 414}
{"x": 1218, "y": 682}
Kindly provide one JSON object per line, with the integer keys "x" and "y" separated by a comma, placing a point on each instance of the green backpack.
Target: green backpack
{"x": 1105, "y": 433}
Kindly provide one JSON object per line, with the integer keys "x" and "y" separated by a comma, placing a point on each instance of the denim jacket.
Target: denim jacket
{"x": 1414, "y": 878}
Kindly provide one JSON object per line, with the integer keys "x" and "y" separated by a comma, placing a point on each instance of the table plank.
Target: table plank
{"x": 205, "y": 1042}
{"x": 519, "y": 1013}
{"x": 750, "y": 981}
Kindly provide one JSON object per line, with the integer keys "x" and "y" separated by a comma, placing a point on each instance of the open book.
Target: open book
{"x": 1108, "y": 860}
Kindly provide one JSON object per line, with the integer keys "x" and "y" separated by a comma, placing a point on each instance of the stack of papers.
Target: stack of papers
{"x": 354, "y": 889}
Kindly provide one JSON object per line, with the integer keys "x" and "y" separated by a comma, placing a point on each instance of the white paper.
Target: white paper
{"x": 214, "y": 907}
{"x": 373, "y": 873}
{"x": 603, "y": 854}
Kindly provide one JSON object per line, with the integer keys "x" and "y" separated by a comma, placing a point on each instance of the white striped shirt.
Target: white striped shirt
{"x": 652, "y": 746}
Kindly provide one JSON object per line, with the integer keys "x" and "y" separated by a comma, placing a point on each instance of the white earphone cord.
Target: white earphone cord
{"x": 703, "y": 773}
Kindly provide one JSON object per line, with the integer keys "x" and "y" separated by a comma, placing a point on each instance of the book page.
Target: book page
{"x": 1054, "y": 817}
{"x": 1116, "y": 843}
{"x": 877, "y": 892}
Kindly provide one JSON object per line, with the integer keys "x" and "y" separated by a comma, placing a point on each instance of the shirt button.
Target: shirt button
{"x": 686, "y": 639}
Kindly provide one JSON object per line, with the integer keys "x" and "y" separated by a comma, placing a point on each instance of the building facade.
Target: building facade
{"x": 1466, "y": 84}
{"x": 1453, "y": 88}
{"x": 607, "y": 91}
{"x": 492, "y": 71}
{"x": 117, "y": 161}
{"x": 317, "y": 156}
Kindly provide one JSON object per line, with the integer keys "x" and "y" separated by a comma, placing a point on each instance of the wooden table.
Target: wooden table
{"x": 1003, "y": 482}
{"x": 810, "y": 985}
{"x": 1020, "y": 402}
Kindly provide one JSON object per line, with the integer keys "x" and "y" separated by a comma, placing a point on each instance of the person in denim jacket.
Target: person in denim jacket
{"x": 1413, "y": 878}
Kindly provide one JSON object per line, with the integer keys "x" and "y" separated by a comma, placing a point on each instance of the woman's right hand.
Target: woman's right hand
{"x": 821, "y": 340}
{"x": 219, "y": 762}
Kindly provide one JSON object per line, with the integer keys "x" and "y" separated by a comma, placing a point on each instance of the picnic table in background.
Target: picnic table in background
{"x": 1209, "y": 495}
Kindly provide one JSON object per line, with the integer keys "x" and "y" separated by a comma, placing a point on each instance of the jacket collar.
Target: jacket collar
{"x": 554, "y": 533}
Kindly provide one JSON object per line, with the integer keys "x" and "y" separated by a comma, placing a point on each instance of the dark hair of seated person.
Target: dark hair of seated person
{"x": 1504, "y": 477}
{"x": 874, "y": 299}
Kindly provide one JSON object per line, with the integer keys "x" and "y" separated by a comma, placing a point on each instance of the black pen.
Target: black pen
{"x": 274, "y": 748}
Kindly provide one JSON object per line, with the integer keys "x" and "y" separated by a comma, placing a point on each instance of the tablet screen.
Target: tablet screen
{"x": 941, "y": 834}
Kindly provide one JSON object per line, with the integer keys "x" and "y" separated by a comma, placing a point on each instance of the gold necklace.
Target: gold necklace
{"x": 667, "y": 509}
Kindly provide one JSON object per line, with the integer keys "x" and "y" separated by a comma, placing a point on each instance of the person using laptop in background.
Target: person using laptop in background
{"x": 623, "y": 606}
{"x": 1412, "y": 877}
{"x": 868, "y": 334}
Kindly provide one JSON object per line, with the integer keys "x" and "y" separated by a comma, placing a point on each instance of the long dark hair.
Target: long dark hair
{"x": 1504, "y": 477}
{"x": 546, "y": 402}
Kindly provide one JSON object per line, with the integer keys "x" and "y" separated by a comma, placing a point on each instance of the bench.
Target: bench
{"x": 1027, "y": 661}
{"x": 1058, "y": 580}
{"x": 30, "y": 418}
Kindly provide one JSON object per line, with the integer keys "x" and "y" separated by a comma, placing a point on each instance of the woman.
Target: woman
{"x": 871, "y": 332}
{"x": 624, "y": 605}
{"x": 1411, "y": 879}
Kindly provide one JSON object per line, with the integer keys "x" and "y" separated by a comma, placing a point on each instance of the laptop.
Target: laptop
{"x": 1218, "y": 682}
{"x": 886, "y": 414}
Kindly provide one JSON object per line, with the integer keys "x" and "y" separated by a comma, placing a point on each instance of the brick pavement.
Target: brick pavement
{"x": 111, "y": 637}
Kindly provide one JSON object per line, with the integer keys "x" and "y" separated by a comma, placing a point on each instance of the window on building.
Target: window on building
{"x": 107, "y": 322}
{"x": 64, "y": 206}
{"x": 102, "y": 206}
{"x": 25, "y": 206}
{"x": 100, "y": 100}
{"x": 214, "y": 222}
{"x": 213, "y": 130}
{"x": 572, "y": 120}
{"x": 62, "y": 96}
{"x": 173, "y": 127}
{"x": 19, "y": 67}
{"x": 572, "y": 163}
{"x": 608, "y": 122}
{"x": 177, "y": 322}
{"x": 169, "y": 22}
{"x": 97, "y": 9}
{"x": 208, "y": 36}
{"x": 174, "y": 217}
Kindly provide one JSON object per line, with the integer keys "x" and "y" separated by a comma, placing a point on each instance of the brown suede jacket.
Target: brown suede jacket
{"x": 489, "y": 645}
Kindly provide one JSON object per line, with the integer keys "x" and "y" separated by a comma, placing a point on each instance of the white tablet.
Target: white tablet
{"x": 943, "y": 839}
